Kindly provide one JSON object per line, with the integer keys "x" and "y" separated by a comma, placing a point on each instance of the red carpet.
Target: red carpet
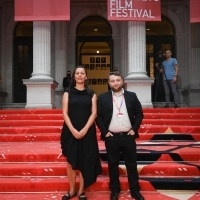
{"x": 32, "y": 167}
{"x": 91, "y": 195}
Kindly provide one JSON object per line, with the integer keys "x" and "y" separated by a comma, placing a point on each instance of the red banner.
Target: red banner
{"x": 42, "y": 10}
{"x": 194, "y": 11}
{"x": 134, "y": 10}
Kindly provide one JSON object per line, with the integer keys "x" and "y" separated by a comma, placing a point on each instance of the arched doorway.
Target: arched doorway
{"x": 23, "y": 59}
{"x": 94, "y": 50}
{"x": 160, "y": 36}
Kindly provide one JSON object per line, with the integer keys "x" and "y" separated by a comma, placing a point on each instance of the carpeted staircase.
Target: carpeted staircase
{"x": 32, "y": 166}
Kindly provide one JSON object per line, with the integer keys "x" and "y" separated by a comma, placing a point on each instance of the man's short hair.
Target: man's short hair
{"x": 116, "y": 73}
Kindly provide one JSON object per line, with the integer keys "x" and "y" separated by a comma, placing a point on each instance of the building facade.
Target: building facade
{"x": 35, "y": 56}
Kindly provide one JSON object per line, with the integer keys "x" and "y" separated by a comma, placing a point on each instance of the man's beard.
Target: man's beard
{"x": 117, "y": 90}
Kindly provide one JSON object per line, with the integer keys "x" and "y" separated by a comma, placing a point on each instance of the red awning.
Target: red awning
{"x": 42, "y": 10}
{"x": 194, "y": 11}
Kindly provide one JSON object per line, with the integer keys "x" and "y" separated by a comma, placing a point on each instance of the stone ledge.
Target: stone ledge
{"x": 7, "y": 106}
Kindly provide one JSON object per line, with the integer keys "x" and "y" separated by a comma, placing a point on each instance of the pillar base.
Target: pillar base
{"x": 142, "y": 87}
{"x": 40, "y": 93}
{"x": 191, "y": 97}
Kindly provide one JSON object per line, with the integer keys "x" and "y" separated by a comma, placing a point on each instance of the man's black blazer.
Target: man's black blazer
{"x": 105, "y": 111}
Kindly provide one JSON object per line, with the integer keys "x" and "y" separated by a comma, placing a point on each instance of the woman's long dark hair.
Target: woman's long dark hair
{"x": 73, "y": 82}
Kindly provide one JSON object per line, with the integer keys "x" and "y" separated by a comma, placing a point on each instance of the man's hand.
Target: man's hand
{"x": 131, "y": 132}
{"x": 109, "y": 134}
{"x": 175, "y": 79}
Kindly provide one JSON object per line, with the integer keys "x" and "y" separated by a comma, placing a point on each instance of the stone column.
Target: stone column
{"x": 41, "y": 86}
{"x": 6, "y": 58}
{"x": 192, "y": 94}
{"x": 194, "y": 57}
{"x": 137, "y": 79}
{"x": 60, "y": 58}
{"x": 41, "y": 50}
{"x": 124, "y": 47}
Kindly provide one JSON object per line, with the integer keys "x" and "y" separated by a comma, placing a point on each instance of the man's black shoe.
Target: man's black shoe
{"x": 114, "y": 196}
{"x": 175, "y": 106}
{"x": 166, "y": 106}
{"x": 137, "y": 196}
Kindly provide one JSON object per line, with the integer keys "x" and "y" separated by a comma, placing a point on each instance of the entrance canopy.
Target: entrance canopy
{"x": 42, "y": 10}
{"x": 194, "y": 11}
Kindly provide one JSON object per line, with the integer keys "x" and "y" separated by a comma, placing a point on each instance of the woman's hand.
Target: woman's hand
{"x": 76, "y": 134}
{"x": 82, "y": 132}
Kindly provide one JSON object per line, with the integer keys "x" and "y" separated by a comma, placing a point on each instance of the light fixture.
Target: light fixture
{"x": 97, "y": 51}
{"x": 95, "y": 29}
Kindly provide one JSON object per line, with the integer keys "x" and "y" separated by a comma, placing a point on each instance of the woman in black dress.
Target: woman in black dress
{"x": 78, "y": 138}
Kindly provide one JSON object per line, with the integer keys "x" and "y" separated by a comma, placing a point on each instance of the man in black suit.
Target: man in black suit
{"x": 66, "y": 80}
{"x": 119, "y": 115}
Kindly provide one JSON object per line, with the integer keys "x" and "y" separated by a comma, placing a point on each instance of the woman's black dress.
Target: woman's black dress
{"x": 82, "y": 154}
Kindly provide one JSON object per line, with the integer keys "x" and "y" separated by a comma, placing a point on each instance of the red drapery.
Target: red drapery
{"x": 134, "y": 10}
{"x": 42, "y": 10}
{"x": 194, "y": 11}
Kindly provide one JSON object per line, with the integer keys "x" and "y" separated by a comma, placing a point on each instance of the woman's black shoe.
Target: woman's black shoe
{"x": 68, "y": 196}
{"x": 82, "y": 196}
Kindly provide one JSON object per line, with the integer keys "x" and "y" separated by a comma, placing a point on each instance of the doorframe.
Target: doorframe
{"x": 85, "y": 39}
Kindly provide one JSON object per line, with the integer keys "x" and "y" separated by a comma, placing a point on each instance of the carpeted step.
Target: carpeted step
{"x": 171, "y": 110}
{"x": 30, "y": 129}
{"x": 99, "y": 195}
{"x": 25, "y": 123}
{"x": 30, "y": 116}
{"x": 59, "y": 123}
{"x": 174, "y": 122}
{"x": 159, "y": 168}
{"x": 38, "y": 137}
{"x": 169, "y": 136}
{"x": 33, "y": 116}
{"x": 147, "y": 128}
{"x": 32, "y": 137}
{"x": 146, "y": 151}
{"x": 171, "y": 116}
{"x": 51, "y": 184}
{"x": 59, "y": 111}
{"x": 31, "y": 111}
